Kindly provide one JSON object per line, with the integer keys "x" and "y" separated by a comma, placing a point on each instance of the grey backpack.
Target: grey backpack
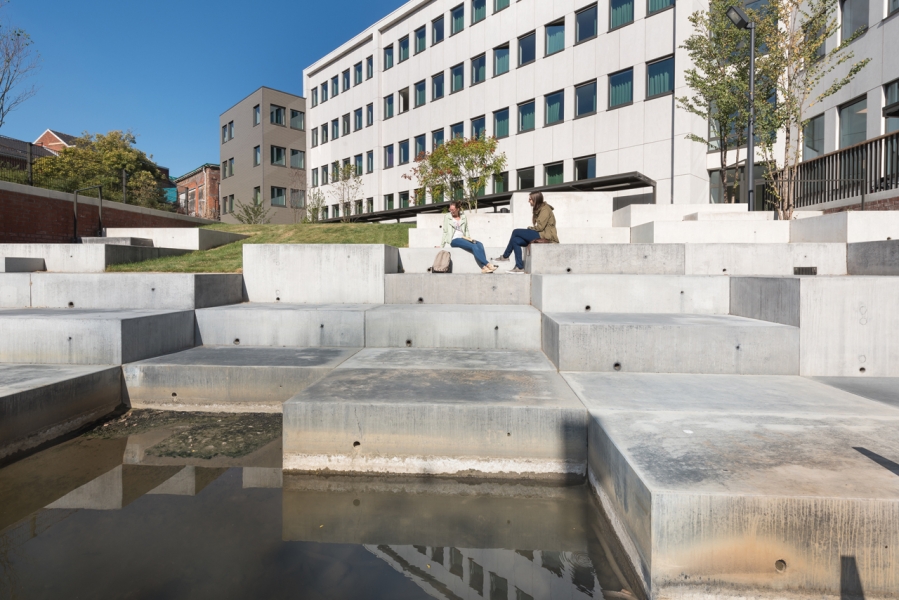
{"x": 443, "y": 263}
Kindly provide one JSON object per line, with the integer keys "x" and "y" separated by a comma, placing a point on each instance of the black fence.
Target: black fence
{"x": 23, "y": 162}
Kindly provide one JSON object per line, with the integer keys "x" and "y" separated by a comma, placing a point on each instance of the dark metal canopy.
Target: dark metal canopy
{"x": 892, "y": 110}
{"x": 609, "y": 183}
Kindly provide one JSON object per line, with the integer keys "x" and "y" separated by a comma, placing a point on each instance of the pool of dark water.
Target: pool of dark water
{"x": 130, "y": 510}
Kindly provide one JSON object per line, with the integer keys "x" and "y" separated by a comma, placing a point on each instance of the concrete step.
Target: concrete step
{"x": 637, "y": 214}
{"x": 282, "y": 324}
{"x": 84, "y": 258}
{"x": 427, "y": 288}
{"x": 847, "y": 227}
{"x": 506, "y": 327}
{"x": 15, "y": 290}
{"x": 593, "y": 235}
{"x": 185, "y": 238}
{"x": 694, "y": 294}
{"x": 715, "y": 232}
{"x": 696, "y": 468}
{"x": 670, "y": 343}
{"x": 420, "y": 260}
{"x": 637, "y": 259}
{"x": 498, "y": 235}
{"x": 39, "y": 403}
{"x": 874, "y": 258}
{"x": 227, "y": 378}
{"x": 756, "y": 215}
{"x": 432, "y": 413}
{"x": 92, "y": 337}
{"x": 12, "y": 264}
{"x": 119, "y": 241}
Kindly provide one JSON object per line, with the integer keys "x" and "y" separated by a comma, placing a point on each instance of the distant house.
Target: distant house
{"x": 198, "y": 192}
{"x": 55, "y": 140}
{"x": 14, "y": 153}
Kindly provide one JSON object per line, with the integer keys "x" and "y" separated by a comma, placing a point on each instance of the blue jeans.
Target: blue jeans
{"x": 520, "y": 239}
{"x": 476, "y": 248}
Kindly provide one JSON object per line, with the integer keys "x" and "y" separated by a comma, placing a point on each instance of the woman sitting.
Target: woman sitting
{"x": 455, "y": 233}
{"x": 544, "y": 228}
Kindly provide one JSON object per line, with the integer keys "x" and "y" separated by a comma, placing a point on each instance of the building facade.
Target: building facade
{"x": 55, "y": 140}
{"x": 263, "y": 155}
{"x": 198, "y": 192}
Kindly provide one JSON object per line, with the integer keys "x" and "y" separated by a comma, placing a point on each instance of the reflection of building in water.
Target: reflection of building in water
{"x": 496, "y": 574}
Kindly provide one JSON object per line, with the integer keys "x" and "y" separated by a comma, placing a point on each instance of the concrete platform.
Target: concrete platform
{"x": 716, "y": 232}
{"x": 874, "y": 258}
{"x": 186, "y": 238}
{"x": 41, "y": 402}
{"x": 12, "y": 264}
{"x": 419, "y": 260}
{"x": 881, "y": 389}
{"x": 227, "y": 378}
{"x": 637, "y": 214}
{"x": 762, "y": 486}
{"x": 669, "y": 343}
{"x": 502, "y": 327}
{"x": 696, "y": 294}
{"x": 282, "y": 324}
{"x": 756, "y": 215}
{"x": 92, "y": 337}
{"x": 119, "y": 241}
{"x": 160, "y": 291}
{"x": 318, "y": 273}
{"x": 523, "y": 423}
{"x": 428, "y": 288}
{"x": 15, "y": 290}
{"x": 637, "y": 259}
{"x": 593, "y": 235}
{"x": 763, "y": 259}
{"x": 84, "y": 258}
{"x": 847, "y": 227}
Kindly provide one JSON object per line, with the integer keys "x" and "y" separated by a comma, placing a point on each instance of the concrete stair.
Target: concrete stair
{"x": 12, "y": 264}
{"x": 420, "y": 260}
{"x": 714, "y": 232}
{"x": 454, "y": 288}
{"x": 84, "y": 258}
{"x": 119, "y": 241}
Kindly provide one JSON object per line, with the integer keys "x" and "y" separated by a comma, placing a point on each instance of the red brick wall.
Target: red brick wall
{"x": 32, "y": 218}
{"x": 886, "y": 204}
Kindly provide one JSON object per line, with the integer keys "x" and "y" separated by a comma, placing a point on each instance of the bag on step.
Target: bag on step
{"x": 443, "y": 263}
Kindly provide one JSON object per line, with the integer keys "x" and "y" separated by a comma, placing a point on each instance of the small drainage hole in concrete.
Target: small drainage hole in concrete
{"x": 724, "y": 270}
{"x": 587, "y": 308}
{"x": 356, "y": 502}
{"x": 509, "y": 434}
{"x": 71, "y": 305}
{"x": 237, "y": 341}
{"x": 861, "y": 370}
{"x": 408, "y": 343}
{"x": 496, "y": 328}
{"x": 278, "y": 299}
{"x": 738, "y": 346}
{"x": 322, "y": 326}
{"x": 617, "y": 366}
{"x": 781, "y": 566}
{"x": 568, "y": 270}
{"x": 421, "y": 300}
{"x": 682, "y": 291}
{"x": 174, "y": 395}
{"x": 356, "y": 444}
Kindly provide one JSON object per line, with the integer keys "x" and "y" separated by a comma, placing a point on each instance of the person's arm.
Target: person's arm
{"x": 447, "y": 235}
{"x": 542, "y": 220}
{"x": 465, "y": 233}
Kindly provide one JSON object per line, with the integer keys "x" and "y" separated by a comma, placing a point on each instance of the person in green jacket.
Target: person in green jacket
{"x": 544, "y": 227}
{"x": 455, "y": 233}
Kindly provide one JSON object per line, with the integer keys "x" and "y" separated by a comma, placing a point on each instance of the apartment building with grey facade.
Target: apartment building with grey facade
{"x": 263, "y": 155}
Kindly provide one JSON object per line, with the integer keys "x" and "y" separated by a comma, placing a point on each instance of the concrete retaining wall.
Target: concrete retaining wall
{"x": 847, "y": 227}
{"x": 716, "y": 232}
{"x": 84, "y": 258}
{"x": 428, "y": 288}
{"x": 874, "y": 258}
{"x": 637, "y": 214}
{"x": 186, "y": 239}
{"x": 419, "y": 260}
{"x": 15, "y": 290}
{"x": 643, "y": 259}
{"x": 763, "y": 259}
{"x": 11, "y": 264}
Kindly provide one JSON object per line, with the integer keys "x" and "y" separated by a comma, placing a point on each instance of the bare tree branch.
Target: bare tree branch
{"x": 18, "y": 62}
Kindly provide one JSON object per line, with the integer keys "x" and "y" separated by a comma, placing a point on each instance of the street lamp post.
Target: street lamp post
{"x": 741, "y": 20}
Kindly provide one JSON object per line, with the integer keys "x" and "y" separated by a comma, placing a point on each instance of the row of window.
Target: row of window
{"x": 855, "y": 15}
{"x": 277, "y": 197}
{"x": 335, "y": 83}
{"x": 277, "y": 116}
{"x": 335, "y": 127}
{"x": 278, "y": 157}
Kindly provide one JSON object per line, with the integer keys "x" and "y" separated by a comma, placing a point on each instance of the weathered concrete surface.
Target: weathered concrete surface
{"x": 12, "y": 264}
{"x": 177, "y": 237}
{"x": 419, "y": 260}
{"x": 119, "y": 241}
{"x": 280, "y": 324}
{"x": 453, "y": 360}
{"x": 637, "y": 214}
{"x": 763, "y": 259}
{"x": 593, "y": 235}
{"x": 84, "y": 258}
{"x": 318, "y": 273}
{"x": 160, "y": 291}
{"x": 701, "y": 294}
{"x": 501, "y": 327}
{"x": 386, "y": 418}
{"x": 42, "y": 402}
{"x": 428, "y": 288}
{"x": 669, "y": 343}
{"x": 15, "y": 290}
{"x": 847, "y": 325}
{"x": 717, "y": 232}
{"x": 874, "y": 258}
{"x": 642, "y": 259}
{"x": 881, "y": 389}
{"x": 92, "y": 337}
{"x": 227, "y": 378}
{"x": 847, "y": 227}
{"x": 713, "y": 479}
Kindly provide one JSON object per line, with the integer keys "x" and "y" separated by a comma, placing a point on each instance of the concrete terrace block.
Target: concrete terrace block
{"x": 119, "y": 241}
{"x": 15, "y": 290}
{"x": 279, "y": 324}
{"x": 388, "y": 418}
{"x": 847, "y": 325}
{"x": 874, "y": 258}
{"x": 186, "y": 238}
{"x": 695, "y": 469}
{"x": 594, "y": 235}
{"x": 631, "y": 294}
{"x": 84, "y": 258}
{"x": 847, "y": 227}
{"x": 41, "y": 402}
{"x": 318, "y": 273}
{"x": 162, "y": 291}
{"x": 756, "y": 215}
{"x": 670, "y": 343}
{"x": 716, "y": 232}
{"x": 500, "y": 327}
{"x": 92, "y": 337}
{"x": 637, "y": 214}
{"x": 491, "y": 236}
{"x": 764, "y": 259}
{"x": 227, "y": 378}
{"x": 12, "y": 264}
{"x": 637, "y": 259}
{"x": 427, "y": 288}
{"x": 571, "y": 209}
{"x": 881, "y": 389}
{"x": 419, "y": 260}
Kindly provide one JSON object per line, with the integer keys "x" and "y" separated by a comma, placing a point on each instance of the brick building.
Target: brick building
{"x": 198, "y": 192}
{"x": 55, "y": 141}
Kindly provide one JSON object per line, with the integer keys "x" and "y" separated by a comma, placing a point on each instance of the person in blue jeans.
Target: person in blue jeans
{"x": 455, "y": 233}
{"x": 544, "y": 228}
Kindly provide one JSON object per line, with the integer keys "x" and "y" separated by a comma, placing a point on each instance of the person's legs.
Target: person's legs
{"x": 523, "y": 238}
{"x": 512, "y": 242}
{"x": 472, "y": 249}
{"x": 479, "y": 254}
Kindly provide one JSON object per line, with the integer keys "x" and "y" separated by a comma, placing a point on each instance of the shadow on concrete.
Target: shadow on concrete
{"x": 850, "y": 581}
{"x": 880, "y": 460}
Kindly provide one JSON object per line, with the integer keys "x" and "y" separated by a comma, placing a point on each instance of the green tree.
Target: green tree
{"x": 315, "y": 202}
{"x": 346, "y": 189}
{"x": 252, "y": 214}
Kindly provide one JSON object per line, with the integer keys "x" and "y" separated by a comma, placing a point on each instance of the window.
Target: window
{"x": 224, "y": 133}
{"x": 585, "y": 25}
{"x": 437, "y": 31}
{"x": 357, "y": 119}
{"x": 324, "y": 134}
{"x": 278, "y": 156}
{"x": 297, "y": 198}
{"x": 457, "y": 78}
{"x": 554, "y": 174}
{"x": 228, "y": 132}
{"x": 585, "y": 99}
{"x": 526, "y": 119}
{"x": 894, "y": 6}
{"x": 324, "y": 92}
{"x": 315, "y": 137}
{"x": 335, "y": 129}
{"x": 854, "y": 16}
{"x": 388, "y": 156}
{"x": 500, "y": 60}
{"x": 336, "y": 211}
{"x": 314, "y": 97}
{"x": 501, "y": 183}
{"x": 555, "y": 108}
{"x": 324, "y": 213}
{"x": 370, "y": 161}
{"x": 813, "y": 138}
{"x": 404, "y": 48}
{"x": 297, "y": 120}
{"x": 478, "y": 69}
{"x": 335, "y": 171}
{"x": 420, "y": 146}
{"x": 525, "y": 178}
{"x": 660, "y": 77}
{"x": 478, "y": 11}
{"x": 357, "y": 73}
{"x": 527, "y": 49}
{"x": 621, "y": 88}
{"x": 621, "y": 13}
{"x": 891, "y": 94}
{"x": 346, "y": 80}
{"x": 370, "y": 205}
{"x": 404, "y": 199}
{"x": 369, "y": 67}
{"x": 404, "y": 100}
{"x": 498, "y": 5}
{"x": 421, "y": 39}
{"x": 257, "y": 195}
{"x": 404, "y": 152}
{"x": 854, "y": 123}
{"x": 657, "y": 5}
{"x": 279, "y": 196}
{"x": 457, "y": 19}
{"x": 335, "y": 86}
{"x": 388, "y": 201}
{"x": 420, "y": 93}
{"x": 388, "y": 57}
{"x": 257, "y": 156}
{"x": 388, "y": 106}
{"x": 314, "y": 177}
{"x": 478, "y": 127}
{"x": 369, "y": 115}
{"x": 457, "y": 131}
{"x": 276, "y": 114}
{"x": 257, "y": 113}
{"x": 436, "y": 138}
{"x": 297, "y": 159}
{"x": 346, "y": 124}
{"x": 325, "y": 175}
{"x": 357, "y": 163}
{"x": 437, "y": 87}
{"x": 585, "y": 168}
{"x": 555, "y": 37}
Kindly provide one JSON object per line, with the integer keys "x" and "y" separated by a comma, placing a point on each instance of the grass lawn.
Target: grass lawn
{"x": 229, "y": 258}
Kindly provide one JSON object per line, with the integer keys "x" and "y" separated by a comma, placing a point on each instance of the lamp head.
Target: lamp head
{"x": 738, "y": 17}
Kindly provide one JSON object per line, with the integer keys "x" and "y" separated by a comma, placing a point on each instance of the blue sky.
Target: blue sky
{"x": 167, "y": 69}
